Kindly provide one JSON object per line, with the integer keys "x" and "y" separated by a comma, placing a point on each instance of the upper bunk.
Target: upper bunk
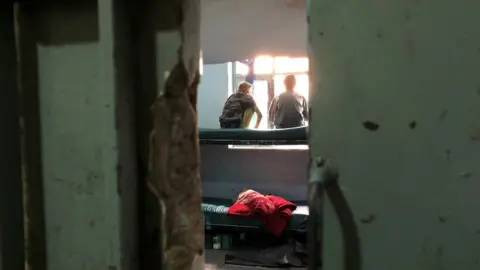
{"x": 221, "y": 29}
{"x": 287, "y": 136}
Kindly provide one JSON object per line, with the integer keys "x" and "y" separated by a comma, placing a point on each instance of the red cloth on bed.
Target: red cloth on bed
{"x": 252, "y": 203}
{"x": 278, "y": 220}
{"x": 275, "y": 212}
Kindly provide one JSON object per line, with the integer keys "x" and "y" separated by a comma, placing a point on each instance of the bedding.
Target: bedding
{"x": 215, "y": 211}
{"x": 253, "y": 136}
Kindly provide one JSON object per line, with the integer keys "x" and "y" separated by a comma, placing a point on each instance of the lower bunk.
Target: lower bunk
{"x": 245, "y": 240}
{"x": 216, "y": 217}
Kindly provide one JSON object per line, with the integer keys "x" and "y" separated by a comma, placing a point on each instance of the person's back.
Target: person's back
{"x": 239, "y": 108}
{"x": 290, "y": 108}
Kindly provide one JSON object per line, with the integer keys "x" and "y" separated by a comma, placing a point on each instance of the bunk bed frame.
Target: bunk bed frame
{"x": 215, "y": 209}
{"x": 287, "y": 136}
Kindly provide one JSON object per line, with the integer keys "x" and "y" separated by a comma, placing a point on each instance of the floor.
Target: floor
{"x": 214, "y": 259}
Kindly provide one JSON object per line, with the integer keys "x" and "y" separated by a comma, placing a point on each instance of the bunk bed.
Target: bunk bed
{"x": 215, "y": 207}
{"x": 287, "y": 136}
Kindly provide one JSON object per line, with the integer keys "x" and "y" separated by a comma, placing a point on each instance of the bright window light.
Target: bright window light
{"x": 263, "y": 65}
{"x": 241, "y": 68}
{"x": 290, "y": 65}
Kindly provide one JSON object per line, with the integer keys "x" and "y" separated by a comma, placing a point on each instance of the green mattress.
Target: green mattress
{"x": 253, "y": 136}
{"x": 215, "y": 211}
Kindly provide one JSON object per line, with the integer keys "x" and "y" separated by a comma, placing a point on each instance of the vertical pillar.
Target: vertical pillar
{"x": 32, "y": 169}
{"x": 75, "y": 56}
{"x": 11, "y": 210}
{"x": 395, "y": 103}
{"x": 169, "y": 31}
{"x": 116, "y": 61}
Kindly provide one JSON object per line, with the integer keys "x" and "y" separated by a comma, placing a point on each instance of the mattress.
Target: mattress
{"x": 274, "y": 136}
{"x": 215, "y": 211}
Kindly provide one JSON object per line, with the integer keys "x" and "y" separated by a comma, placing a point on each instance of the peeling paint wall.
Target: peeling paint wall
{"x": 169, "y": 31}
{"x": 174, "y": 172}
{"x": 395, "y": 104}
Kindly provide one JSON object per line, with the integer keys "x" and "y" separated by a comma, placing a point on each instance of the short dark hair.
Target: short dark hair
{"x": 290, "y": 81}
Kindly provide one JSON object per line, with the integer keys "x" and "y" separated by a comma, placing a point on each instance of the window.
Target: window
{"x": 241, "y": 69}
{"x": 273, "y": 70}
{"x": 260, "y": 94}
{"x": 290, "y": 65}
{"x": 263, "y": 65}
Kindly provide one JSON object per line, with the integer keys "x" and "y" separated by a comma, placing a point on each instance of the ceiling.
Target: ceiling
{"x": 240, "y": 29}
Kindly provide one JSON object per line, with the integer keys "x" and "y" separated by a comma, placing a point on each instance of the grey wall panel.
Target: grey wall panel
{"x": 225, "y": 172}
{"x": 236, "y": 30}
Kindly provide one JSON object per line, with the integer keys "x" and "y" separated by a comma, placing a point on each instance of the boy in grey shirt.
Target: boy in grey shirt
{"x": 289, "y": 109}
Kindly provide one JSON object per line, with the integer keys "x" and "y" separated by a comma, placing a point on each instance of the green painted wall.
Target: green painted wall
{"x": 412, "y": 67}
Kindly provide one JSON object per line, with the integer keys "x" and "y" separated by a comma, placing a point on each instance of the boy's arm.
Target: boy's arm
{"x": 272, "y": 110}
{"x": 259, "y": 116}
{"x": 305, "y": 109}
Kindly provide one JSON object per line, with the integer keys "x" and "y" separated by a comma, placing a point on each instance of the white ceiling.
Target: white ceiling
{"x": 240, "y": 29}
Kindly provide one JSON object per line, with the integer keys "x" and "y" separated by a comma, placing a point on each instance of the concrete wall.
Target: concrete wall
{"x": 411, "y": 67}
{"x": 237, "y": 30}
{"x": 225, "y": 172}
{"x": 215, "y": 85}
{"x": 87, "y": 155}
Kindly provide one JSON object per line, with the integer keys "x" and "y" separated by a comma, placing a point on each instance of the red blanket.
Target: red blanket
{"x": 279, "y": 219}
{"x": 252, "y": 203}
{"x": 273, "y": 211}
